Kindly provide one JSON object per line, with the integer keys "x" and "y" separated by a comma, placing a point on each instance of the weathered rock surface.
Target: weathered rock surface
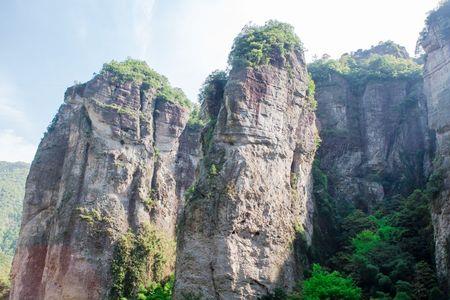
{"x": 375, "y": 139}
{"x": 254, "y": 187}
{"x": 436, "y": 44}
{"x": 107, "y": 165}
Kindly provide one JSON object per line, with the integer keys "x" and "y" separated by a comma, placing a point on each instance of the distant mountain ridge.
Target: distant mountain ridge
{"x": 12, "y": 188}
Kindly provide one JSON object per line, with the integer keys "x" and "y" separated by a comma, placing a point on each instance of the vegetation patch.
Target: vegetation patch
{"x": 386, "y": 255}
{"x": 389, "y": 254}
{"x": 149, "y": 201}
{"x": 213, "y": 87}
{"x": 138, "y": 71}
{"x": 360, "y": 71}
{"x": 12, "y": 190}
{"x": 329, "y": 285}
{"x": 211, "y": 95}
{"x": 195, "y": 120}
{"x": 157, "y": 290}
{"x": 141, "y": 260}
{"x": 440, "y": 17}
{"x": 310, "y": 92}
{"x": 261, "y": 45}
{"x": 207, "y": 135}
{"x": 213, "y": 170}
{"x": 119, "y": 109}
{"x": 189, "y": 192}
{"x": 97, "y": 221}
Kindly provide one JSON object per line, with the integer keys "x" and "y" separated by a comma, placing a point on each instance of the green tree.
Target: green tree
{"x": 424, "y": 280}
{"x": 261, "y": 45}
{"x": 12, "y": 190}
{"x": 326, "y": 285}
{"x": 158, "y": 291}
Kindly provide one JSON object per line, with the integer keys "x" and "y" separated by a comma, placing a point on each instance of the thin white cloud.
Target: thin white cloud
{"x": 15, "y": 148}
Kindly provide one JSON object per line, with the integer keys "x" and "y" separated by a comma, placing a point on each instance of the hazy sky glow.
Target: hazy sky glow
{"x": 48, "y": 44}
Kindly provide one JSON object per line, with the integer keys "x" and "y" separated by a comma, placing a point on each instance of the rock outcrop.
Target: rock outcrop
{"x": 436, "y": 43}
{"x": 375, "y": 140}
{"x": 127, "y": 168}
{"x": 252, "y": 197}
{"x": 106, "y": 166}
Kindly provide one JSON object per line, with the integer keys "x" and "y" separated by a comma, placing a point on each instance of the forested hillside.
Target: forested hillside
{"x": 12, "y": 188}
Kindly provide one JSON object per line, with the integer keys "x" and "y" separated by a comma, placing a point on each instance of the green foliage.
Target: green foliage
{"x": 158, "y": 290}
{"x": 310, "y": 93}
{"x": 360, "y": 71}
{"x": 213, "y": 87}
{"x": 189, "y": 192}
{"x": 402, "y": 296}
{"x": 207, "y": 135}
{"x": 382, "y": 48}
{"x": 326, "y": 285}
{"x": 365, "y": 241}
{"x": 213, "y": 170}
{"x": 140, "y": 259}
{"x": 149, "y": 201}
{"x": 436, "y": 294}
{"x": 414, "y": 219}
{"x": 12, "y": 190}
{"x": 441, "y": 18}
{"x": 325, "y": 222}
{"x": 139, "y": 71}
{"x": 195, "y": 119}
{"x": 261, "y": 45}
{"x": 424, "y": 280}
{"x": 156, "y": 152}
{"x": 389, "y": 253}
{"x": 4, "y": 290}
{"x": 354, "y": 223}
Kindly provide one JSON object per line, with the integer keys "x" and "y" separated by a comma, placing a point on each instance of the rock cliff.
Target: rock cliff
{"x": 374, "y": 130}
{"x": 252, "y": 198}
{"x": 131, "y": 182}
{"x": 436, "y": 42}
{"x": 106, "y": 167}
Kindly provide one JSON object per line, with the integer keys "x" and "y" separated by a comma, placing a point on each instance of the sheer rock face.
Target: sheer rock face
{"x": 89, "y": 182}
{"x": 372, "y": 138}
{"x": 437, "y": 88}
{"x": 254, "y": 188}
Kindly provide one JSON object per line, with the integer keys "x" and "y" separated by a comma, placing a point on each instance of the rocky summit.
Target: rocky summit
{"x": 289, "y": 180}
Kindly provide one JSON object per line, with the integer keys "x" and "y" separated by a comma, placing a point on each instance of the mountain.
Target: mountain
{"x": 288, "y": 181}
{"x": 107, "y": 166}
{"x": 12, "y": 190}
{"x": 435, "y": 40}
{"x": 252, "y": 199}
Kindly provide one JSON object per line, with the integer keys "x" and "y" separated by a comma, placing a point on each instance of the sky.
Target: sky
{"x": 47, "y": 45}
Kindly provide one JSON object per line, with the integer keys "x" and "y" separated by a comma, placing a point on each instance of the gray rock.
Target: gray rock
{"x": 437, "y": 88}
{"x": 253, "y": 191}
{"x": 111, "y": 147}
{"x": 371, "y": 136}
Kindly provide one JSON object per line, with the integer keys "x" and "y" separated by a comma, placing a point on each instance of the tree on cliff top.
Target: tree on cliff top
{"x": 139, "y": 71}
{"x": 259, "y": 45}
{"x": 439, "y": 18}
{"x": 359, "y": 71}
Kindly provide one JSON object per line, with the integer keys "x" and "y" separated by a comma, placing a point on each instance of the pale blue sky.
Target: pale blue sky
{"x": 45, "y": 45}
